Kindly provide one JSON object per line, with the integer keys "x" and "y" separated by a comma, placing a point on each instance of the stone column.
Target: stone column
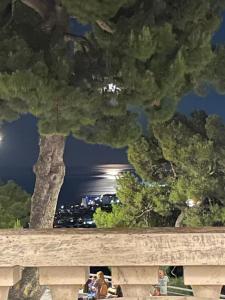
{"x": 8, "y": 277}
{"x": 206, "y": 281}
{"x": 135, "y": 281}
{"x": 64, "y": 282}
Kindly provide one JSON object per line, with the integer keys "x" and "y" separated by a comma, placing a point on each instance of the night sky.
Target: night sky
{"x": 19, "y": 149}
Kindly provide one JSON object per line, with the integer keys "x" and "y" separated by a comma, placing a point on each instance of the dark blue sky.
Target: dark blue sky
{"x": 20, "y": 146}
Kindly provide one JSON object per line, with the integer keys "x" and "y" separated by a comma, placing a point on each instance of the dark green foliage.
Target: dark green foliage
{"x": 115, "y": 131}
{"x": 196, "y": 149}
{"x": 157, "y": 51}
{"x": 207, "y": 214}
{"x": 90, "y": 11}
{"x": 63, "y": 89}
{"x": 160, "y": 50}
{"x": 141, "y": 206}
{"x": 147, "y": 158}
{"x": 216, "y": 72}
{"x": 184, "y": 160}
{"x": 14, "y": 206}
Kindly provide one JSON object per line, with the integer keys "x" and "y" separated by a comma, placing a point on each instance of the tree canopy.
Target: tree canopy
{"x": 14, "y": 206}
{"x": 57, "y": 81}
{"x": 161, "y": 50}
{"x": 90, "y": 12}
{"x": 181, "y": 164}
{"x": 157, "y": 51}
{"x": 141, "y": 205}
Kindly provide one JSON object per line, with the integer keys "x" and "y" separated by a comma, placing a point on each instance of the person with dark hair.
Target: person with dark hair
{"x": 115, "y": 292}
{"x": 86, "y": 286}
{"x": 119, "y": 291}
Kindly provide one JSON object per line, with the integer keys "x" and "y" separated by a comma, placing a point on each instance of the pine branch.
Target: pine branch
{"x": 12, "y": 14}
{"x": 68, "y": 36}
{"x": 104, "y": 26}
{"x": 173, "y": 170}
{"x": 179, "y": 220}
{"x": 149, "y": 209}
{"x": 42, "y": 7}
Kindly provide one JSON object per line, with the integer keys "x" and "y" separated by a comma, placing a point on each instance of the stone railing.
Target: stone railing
{"x": 64, "y": 256}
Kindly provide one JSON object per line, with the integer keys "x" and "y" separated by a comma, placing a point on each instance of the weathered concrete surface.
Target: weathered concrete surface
{"x": 8, "y": 277}
{"x": 135, "y": 281}
{"x": 47, "y": 296}
{"x": 204, "y": 275}
{"x": 75, "y": 247}
{"x": 168, "y": 298}
{"x": 63, "y": 275}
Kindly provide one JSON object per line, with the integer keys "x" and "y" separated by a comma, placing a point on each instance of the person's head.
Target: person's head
{"x": 100, "y": 275}
{"x": 119, "y": 292}
{"x": 85, "y": 286}
{"x": 161, "y": 273}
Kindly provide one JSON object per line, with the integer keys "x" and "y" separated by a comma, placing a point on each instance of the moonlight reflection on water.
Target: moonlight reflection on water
{"x": 94, "y": 180}
{"x": 104, "y": 178}
{"x": 112, "y": 171}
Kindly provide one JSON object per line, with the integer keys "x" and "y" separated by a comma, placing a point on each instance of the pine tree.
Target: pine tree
{"x": 58, "y": 80}
{"x": 161, "y": 50}
{"x": 92, "y": 11}
{"x": 139, "y": 54}
{"x": 181, "y": 166}
{"x": 151, "y": 61}
{"x": 141, "y": 205}
{"x": 39, "y": 76}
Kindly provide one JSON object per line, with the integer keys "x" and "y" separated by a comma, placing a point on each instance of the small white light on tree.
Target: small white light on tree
{"x": 190, "y": 203}
{"x": 110, "y": 88}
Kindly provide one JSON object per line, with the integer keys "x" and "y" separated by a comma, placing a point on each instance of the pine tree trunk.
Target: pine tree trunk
{"x": 50, "y": 172}
{"x": 41, "y": 7}
{"x": 179, "y": 220}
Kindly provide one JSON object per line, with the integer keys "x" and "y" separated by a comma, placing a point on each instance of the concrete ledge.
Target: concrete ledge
{"x": 167, "y": 298}
{"x": 76, "y": 247}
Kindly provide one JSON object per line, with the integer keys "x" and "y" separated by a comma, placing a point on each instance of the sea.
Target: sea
{"x": 79, "y": 181}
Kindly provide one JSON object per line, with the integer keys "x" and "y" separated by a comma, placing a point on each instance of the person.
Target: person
{"x": 86, "y": 286}
{"x": 91, "y": 282}
{"x": 115, "y": 292}
{"x": 119, "y": 291}
{"x": 163, "y": 280}
{"x": 100, "y": 286}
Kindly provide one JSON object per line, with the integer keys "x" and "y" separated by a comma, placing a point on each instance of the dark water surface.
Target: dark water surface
{"x": 79, "y": 181}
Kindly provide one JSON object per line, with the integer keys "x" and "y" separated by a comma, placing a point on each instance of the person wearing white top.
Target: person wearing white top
{"x": 163, "y": 280}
